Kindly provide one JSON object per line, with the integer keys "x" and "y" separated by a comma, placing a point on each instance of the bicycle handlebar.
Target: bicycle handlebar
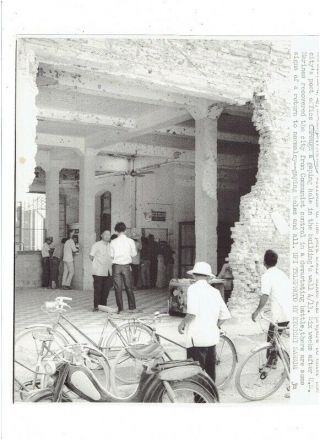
{"x": 57, "y": 305}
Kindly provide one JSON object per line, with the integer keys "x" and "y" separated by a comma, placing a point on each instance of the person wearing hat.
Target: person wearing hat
{"x": 206, "y": 311}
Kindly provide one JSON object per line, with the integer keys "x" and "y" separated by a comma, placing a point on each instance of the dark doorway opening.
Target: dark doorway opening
{"x": 187, "y": 248}
{"x": 105, "y": 216}
{"x": 237, "y": 170}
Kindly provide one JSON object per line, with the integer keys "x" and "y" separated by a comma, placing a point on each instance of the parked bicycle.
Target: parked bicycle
{"x": 39, "y": 342}
{"x": 266, "y": 368}
{"x": 126, "y": 368}
{"x": 176, "y": 381}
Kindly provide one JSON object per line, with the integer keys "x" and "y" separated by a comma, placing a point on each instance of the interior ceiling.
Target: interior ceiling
{"x": 52, "y": 96}
{"x": 68, "y": 111}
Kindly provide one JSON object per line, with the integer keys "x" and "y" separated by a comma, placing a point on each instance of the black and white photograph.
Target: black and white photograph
{"x": 166, "y": 209}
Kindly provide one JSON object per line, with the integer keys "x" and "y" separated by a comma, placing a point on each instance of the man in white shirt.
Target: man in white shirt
{"x": 101, "y": 270}
{"x": 68, "y": 266}
{"x": 45, "y": 253}
{"x": 122, "y": 250}
{"x": 276, "y": 286}
{"x": 206, "y": 311}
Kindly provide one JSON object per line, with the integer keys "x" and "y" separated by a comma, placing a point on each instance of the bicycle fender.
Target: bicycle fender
{"x": 179, "y": 372}
{"x": 29, "y": 327}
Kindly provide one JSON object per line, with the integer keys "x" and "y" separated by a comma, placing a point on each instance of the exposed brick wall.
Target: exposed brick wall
{"x": 256, "y": 231}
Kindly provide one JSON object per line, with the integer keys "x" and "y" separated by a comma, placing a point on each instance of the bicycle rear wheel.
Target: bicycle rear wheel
{"x": 32, "y": 347}
{"x": 255, "y": 380}
{"x": 184, "y": 392}
{"x": 226, "y": 360}
{"x": 128, "y": 333}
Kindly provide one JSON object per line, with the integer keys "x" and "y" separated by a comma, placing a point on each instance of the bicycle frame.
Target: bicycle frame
{"x": 59, "y": 324}
{"x": 281, "y": 350}
{"x": 158, "y": 336}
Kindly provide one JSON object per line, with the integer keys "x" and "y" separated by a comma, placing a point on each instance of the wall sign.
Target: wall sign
{"x": 158, "y": 216}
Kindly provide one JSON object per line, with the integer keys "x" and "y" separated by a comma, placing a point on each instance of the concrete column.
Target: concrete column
{"x": 52, "y": 201}
{"x": 26, "y": 119}
{"x": 206, "y": 205}
{"x": 87, "y": 235}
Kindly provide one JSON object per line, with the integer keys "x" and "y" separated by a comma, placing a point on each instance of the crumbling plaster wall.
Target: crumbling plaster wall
{"x": 256, "y": 231}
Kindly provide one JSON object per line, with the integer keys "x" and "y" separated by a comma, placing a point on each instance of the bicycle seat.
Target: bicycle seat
{"x": 146, "y": 351}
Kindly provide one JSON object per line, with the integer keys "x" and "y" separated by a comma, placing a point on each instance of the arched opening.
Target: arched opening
{"x": 105, "y": 211}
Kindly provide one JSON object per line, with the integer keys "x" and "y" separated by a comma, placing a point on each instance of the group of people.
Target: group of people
{"x": 112, "y": 260}
{"x": 153, "y": 265}
{"x": 206, "y": 311}
{"x": 118, "y": 260}
{"x": 57, "y": 263}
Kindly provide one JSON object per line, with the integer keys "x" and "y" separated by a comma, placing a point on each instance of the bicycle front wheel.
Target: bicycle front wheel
{"x": 226, "y": 360}
{"x": 32, "y": 347}
{"x": 46, "y": 395}
{"x": 255, "y": 380}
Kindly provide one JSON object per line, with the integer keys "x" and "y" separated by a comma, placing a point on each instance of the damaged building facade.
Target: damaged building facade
{"x": 185, "y": 139}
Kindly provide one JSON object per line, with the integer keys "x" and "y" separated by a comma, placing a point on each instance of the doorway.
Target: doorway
{"x": 187, "y": 247}
{"x": 105, "y": 213}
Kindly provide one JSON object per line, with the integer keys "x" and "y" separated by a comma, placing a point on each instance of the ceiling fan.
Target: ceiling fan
{"x": 131, "y": 172}
{"x": 141, "y": 171}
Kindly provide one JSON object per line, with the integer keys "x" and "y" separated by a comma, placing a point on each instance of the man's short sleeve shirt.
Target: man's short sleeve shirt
{"x": 207, "y": 306}
{"x": 102, "y": 263}
{"x": 276, "y": 284}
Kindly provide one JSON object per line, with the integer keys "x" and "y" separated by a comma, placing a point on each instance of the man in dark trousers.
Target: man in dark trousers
{"x": 101, "y": 270}
{"x": 153, "y": 250}
{"x": 206, "y": 311}
{"x": 122, "y": 249}
{"x": 45, "y": 253}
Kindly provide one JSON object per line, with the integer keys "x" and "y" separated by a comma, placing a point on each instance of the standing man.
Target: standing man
{"x": 206, "y": 311}
{"x": 122, "y": 250}
{"x": 153, "y": 248}
{"x": 54, "y": 262}
{"x": 135, "y": 265}
{"x": 145, "y": 263}
{"x": 68, "y": 266}
{"x": 226, "y": 274}
{"x": 101, "y": 270}
{"x": 45, "y": 253}
{"x": 275, "y": 285}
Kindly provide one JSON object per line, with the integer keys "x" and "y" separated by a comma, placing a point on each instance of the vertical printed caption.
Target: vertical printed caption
{"x": 305, "y": 227}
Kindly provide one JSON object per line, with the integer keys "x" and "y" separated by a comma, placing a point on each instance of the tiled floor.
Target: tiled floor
{"x": 28, "y": 306}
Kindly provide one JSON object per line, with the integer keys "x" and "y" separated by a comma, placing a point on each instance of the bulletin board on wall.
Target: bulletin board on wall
{"x": 156, "y": 216}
